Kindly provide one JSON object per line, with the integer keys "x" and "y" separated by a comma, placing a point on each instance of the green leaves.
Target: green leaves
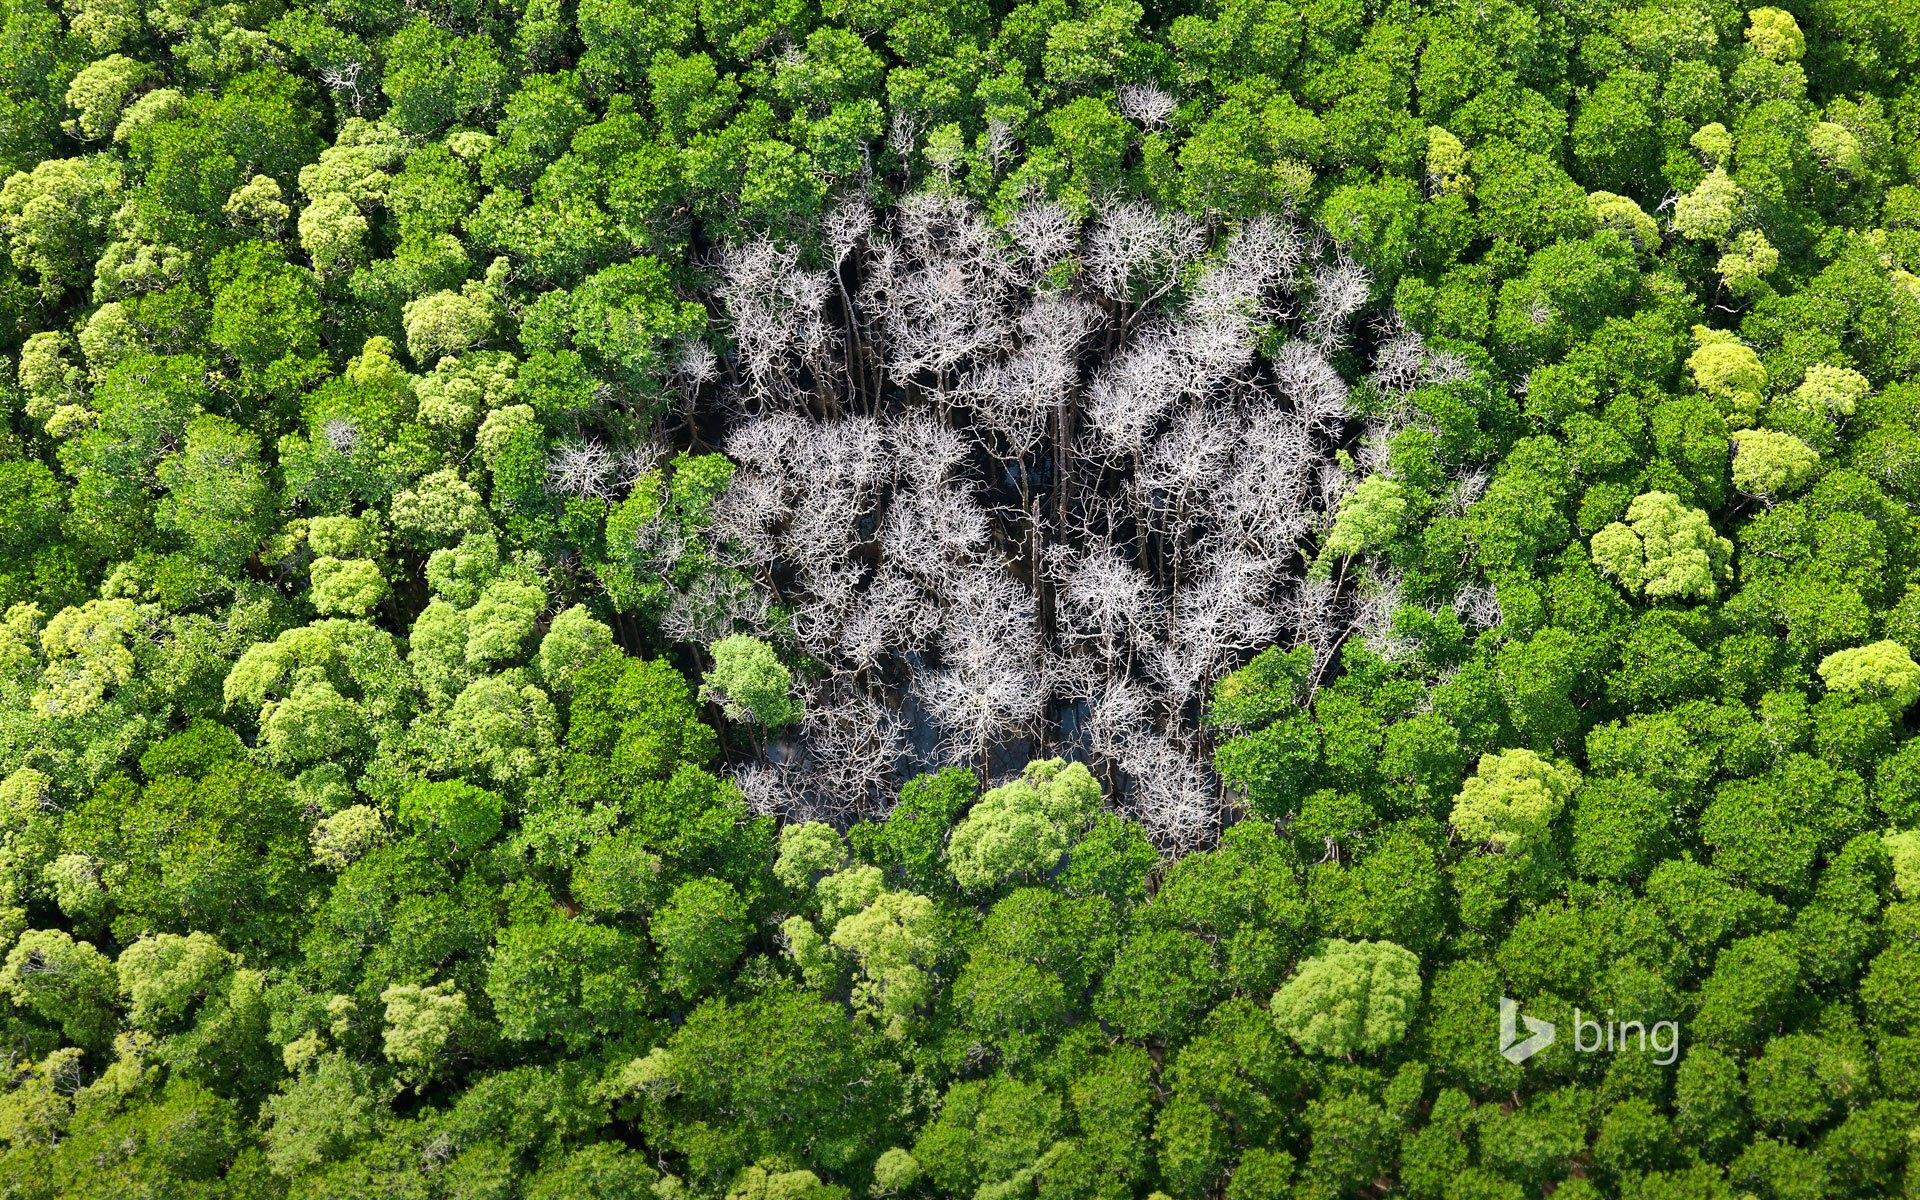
{"x": 434, "y": 78}
{"x": 458, "y": 816}
{"x": 568, "y": 982}
{"x": 266, "y": 316}
{"x": 750, "y": 684}
{"x": 1512, "y": 799}
{"x": 625, "y": 317}
{"x": 782, "y": 1073}
{"x": 1663, "y": 550}
{"x": 1021, "y": 829}
{"x": 1351, "y": 998}
{"x": 699, "y": 932}
{"x": 360, "y": 392}
{"x": 1883, "y": 671}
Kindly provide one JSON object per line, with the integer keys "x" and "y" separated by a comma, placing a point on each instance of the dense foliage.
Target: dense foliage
{"x": 410, "y": 714}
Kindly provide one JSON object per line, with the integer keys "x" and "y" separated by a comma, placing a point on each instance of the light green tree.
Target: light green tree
{"x": 750, "y": 683}
{"x": 844, "y": 893}
{"x": 1712, "y": 210}
{"x": 359, "y": 165}
{"x": 320, "y": 1113}
{"x": 51, "y": 216}
{"x": 822, "y": 965}
{"x": 773, "y": 1181}
{"x": 99, "y": 92}
{"x": 1511, "y": 800}
{"x": 1020, "y": 829}
{"x": 808, "y": 850}
{"x": 1830, "y": 391}
{"x": 896, "y": 1171}
{"x": 258, "y": 201}
{"x": 89, "y": 651}
{"x": 1372, "y": 515}
{"x": 1664, "y": 550}
{"x": 314, "y": 724}
{"x": 74, "y": 880}
{"x": 105, "y": 24}
{"x": 1774, "y": 34}
{"x": 1728, "y": 370}
{"x": 1836, "y": 147}
{"x": 1713, "y": 142}
{"x": 67, "y": 983}
{"x": 894, "y": 942}
{"x": 164, "y": 975}
{"x": 320, "y": 691}
{"x": 343, "y": 838}
{"x": 110, "y": 337}
{"x": 446, "y": 322}
{"x": 1626, "y": 218}
{"x": 1446, "y": 162}
{"x": 1883, "y": 671}
{"x": 501, "y": 728}
{"x": 332, "y": 230}
{"x": 1903, "y": 850}
{"x": 574, "y": 641}
{"x": 461, "y": 390}
{"x": 1747, "y": 262}
{"x": 1351, "y": 998}
{"x": 38, "y": 1103}
{"x": 420, "y": 1022}
{"x": 55, "y": 387}
{"x": 1770, "y": 465}
{"x": 350, "y": 587}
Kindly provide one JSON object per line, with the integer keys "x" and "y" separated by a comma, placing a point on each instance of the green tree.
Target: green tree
{"x": 434, "y": 78}
{"x": 782, "y": 1073}
{"x": 1881, "y": 671}
{"x": 1020, "y": 829}
{"x": 266, "y": 316}
{"x": 698, "y": 932}
{"x": 217, "y": 495}
{"x": 1512, "y": 799}
{"x": 1159, "y": 985}
{"x": 568, "y": 982}
{"x": 1351, "y": 998}
{"x": 1663, "y": 550}
{"x": 750, "y": 683}
{"x": 456, "y": 815}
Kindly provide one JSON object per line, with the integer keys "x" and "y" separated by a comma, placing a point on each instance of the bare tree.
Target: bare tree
{"x": 342, "y": 434}
{"x": 1036, "y": 488}
{"x": 584, "y": 469}
{"x": 1144, "y": 103}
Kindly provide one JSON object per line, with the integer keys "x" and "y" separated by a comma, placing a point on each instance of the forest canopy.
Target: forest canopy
{"x": 1071, "y": 600}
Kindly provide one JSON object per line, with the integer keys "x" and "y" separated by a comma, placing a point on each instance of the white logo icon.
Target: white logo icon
{"x": 1540, "y": 1033}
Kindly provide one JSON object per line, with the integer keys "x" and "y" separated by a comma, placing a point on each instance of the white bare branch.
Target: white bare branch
{"x": 1036, "y": 487}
